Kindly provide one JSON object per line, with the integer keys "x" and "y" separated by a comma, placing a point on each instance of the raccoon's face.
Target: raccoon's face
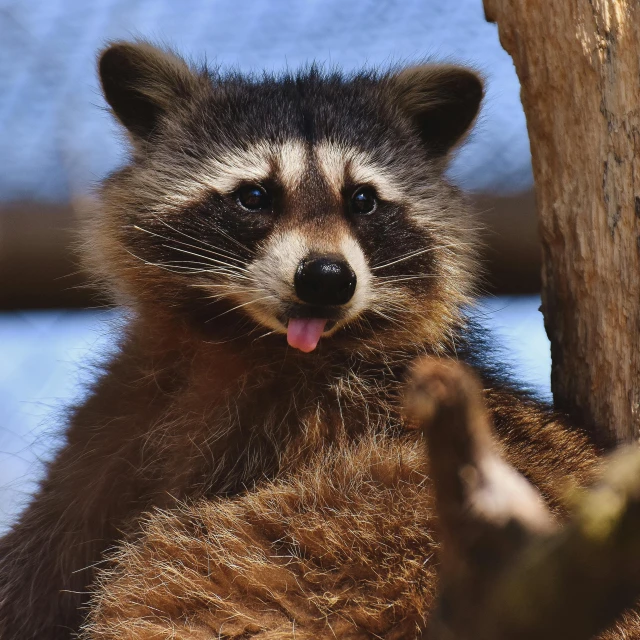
{"x": 309, "y": 205}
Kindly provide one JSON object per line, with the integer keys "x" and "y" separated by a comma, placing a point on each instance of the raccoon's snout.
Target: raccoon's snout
{"x": 327, "y": 280}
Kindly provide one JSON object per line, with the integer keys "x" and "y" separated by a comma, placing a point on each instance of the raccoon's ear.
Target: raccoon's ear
{"x": 442, "y": 101}
{"x": 141, "y": 83}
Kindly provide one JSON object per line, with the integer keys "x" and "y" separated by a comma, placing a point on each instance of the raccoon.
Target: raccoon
{"x": 284, "y": 247}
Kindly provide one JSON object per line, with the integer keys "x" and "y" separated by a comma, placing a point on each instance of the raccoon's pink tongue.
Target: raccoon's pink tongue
{"x": 304, "y": 333}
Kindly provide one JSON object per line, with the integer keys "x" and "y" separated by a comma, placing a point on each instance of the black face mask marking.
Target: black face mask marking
{"x": 240, "y": 181}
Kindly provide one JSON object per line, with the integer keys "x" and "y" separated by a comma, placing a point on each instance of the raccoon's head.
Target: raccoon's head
{"x": 308, "y": 204}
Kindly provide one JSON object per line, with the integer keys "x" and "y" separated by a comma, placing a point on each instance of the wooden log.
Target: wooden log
{"x": 579, "y": 68}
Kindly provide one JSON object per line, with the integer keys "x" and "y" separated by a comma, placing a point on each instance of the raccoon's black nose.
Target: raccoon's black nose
{"x": 326, "y": 280}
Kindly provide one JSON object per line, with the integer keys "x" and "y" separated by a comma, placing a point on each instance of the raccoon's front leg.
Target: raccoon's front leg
{"x": 92, "y": 490}
{"x": 124, "y": 452}
{"x": 46, "y": 561}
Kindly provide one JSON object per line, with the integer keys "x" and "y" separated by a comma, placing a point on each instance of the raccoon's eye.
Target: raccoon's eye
{"x": 363, "y": 201}
{"x": 253, "y": 197}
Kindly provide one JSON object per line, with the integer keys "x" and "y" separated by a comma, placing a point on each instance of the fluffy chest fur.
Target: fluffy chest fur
{"x": 212, "y": 418}
{"x": 343, "y": 545}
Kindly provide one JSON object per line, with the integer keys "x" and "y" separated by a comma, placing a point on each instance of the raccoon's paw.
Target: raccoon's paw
{"x": 438, "y": 389}
{"x": 474, "y": 485}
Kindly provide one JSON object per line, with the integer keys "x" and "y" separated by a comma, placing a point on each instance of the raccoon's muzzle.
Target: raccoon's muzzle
{"x": 323, "y": 281}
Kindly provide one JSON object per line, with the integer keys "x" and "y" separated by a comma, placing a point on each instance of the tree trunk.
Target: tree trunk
{"x": 579, "y": 69}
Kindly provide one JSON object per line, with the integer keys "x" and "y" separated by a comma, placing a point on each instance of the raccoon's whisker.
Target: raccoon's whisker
{"x": 159, "y": 265}
{"x": 186, "y": 262}
{"x": 225, "y": 259}
{"x": 224, "y": 291}
{"x": 263, "y": 335}
{"x": 206, "y": 267}
{"x": 193, "y": 270}
{"x": 178, "y": 269}
{"x": 395, "y": 308}
{"x": 222, "y": 232}
{"x": 220, "y": 296}
{"x": 421, "y": 276}
{"x": 398, "y": 312}
{"x": 391, "y": 318}
{"x": 419, "y": 252}
{"x": 239, "y": 306}
{"x": 221, "y": 285}
{"x": 409, "y": 276}
{"x": 208, "y": 248}
{"x": 396, "y": 305}
{"x": 362, "y": 320}
{"x": 218, "y": 230}
{"x": 212, "y": 261}
{"x": 414, "y": 254}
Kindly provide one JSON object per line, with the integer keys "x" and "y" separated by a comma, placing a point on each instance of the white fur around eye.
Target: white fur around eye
{"x": 292, "y": 158}
{"x": 226, "y": 172}
{"x": 335, "y": 159}
{"x": 256, "y": 164}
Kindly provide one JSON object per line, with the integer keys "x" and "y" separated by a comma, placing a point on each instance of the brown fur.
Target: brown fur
{"x": 200, "y": 403}
{"x": 344, "y": 546}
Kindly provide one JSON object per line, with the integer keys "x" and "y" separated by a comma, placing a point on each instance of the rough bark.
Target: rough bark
{"x": 579, "y": 68}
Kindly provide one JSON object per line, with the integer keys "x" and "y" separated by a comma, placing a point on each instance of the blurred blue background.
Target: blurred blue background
{"x": 57, "y": 140}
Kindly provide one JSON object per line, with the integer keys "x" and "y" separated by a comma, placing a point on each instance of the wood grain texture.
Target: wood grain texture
{"x": 579, "y": 67}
